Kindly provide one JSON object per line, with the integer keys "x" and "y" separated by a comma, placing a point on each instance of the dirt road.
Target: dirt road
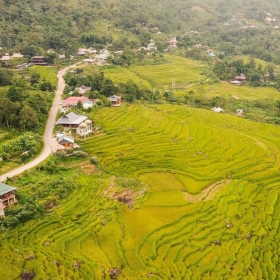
{"x": 48, "y": 131}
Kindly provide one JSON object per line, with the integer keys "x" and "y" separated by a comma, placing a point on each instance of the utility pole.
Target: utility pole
{"x": 17, "y": 254}
{"x": 173, "y": 84}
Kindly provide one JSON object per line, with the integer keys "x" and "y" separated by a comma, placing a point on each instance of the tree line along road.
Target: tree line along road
{"x": 48, "y": 130}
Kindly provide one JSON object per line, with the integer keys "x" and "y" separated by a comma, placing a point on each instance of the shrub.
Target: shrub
{"x": 94, "y": 160}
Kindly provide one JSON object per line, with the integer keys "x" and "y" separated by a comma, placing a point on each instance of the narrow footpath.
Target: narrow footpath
{"x": 47, "y": 151}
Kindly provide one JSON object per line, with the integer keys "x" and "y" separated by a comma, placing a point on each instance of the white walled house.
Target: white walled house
{"x": 81, "y": 124}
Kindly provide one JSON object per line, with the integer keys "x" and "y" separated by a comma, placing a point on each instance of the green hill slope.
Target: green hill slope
{"x": 64, "y": 25}
{"x": 174, "y": 230}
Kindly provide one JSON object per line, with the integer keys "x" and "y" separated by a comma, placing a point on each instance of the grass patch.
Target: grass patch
{"x": 47, "y": 73}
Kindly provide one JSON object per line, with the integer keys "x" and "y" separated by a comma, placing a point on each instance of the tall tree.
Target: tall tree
{"x": 13, "y": 94}
{"x": 28, "y": 118}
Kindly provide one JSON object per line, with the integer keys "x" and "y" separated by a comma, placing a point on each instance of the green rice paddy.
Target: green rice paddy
{"x": 187, "y": 76}
{"x": 233, "y": 233}
{"x": 185, "y": 72}
{"x": 225, "y": 89}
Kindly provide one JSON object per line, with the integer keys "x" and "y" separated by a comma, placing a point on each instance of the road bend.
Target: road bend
{"x": 47, "y": 151}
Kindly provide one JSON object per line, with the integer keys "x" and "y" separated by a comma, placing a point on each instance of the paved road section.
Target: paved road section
{"x": 48, "y": 131}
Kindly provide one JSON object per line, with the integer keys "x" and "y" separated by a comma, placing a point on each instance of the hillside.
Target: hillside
{"x": 142, "y": 208}
{"x": 163, "y": 187}
{"x": 35, "y": 26}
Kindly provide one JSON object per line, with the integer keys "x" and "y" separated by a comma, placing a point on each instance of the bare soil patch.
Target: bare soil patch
{"x": 127, "y": 196}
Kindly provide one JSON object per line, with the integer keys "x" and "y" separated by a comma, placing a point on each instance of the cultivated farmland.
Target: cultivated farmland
{"x": 185, "y": 71}
{"x": 207, "y": 203}
{"x": 187, "y": 77}
{"x": 224, "y": 89}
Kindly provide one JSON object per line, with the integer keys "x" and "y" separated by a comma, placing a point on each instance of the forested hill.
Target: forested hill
{"x": 65, "y": 25}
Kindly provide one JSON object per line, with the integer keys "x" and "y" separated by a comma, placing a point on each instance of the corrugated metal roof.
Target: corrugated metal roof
{"x": 71, "y": 118}
{"x": 5, "y": 189}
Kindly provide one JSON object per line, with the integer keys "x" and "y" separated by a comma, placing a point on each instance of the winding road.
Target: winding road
{"x": 48, "y": 131}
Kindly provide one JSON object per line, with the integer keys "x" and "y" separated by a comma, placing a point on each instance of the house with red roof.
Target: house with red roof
{"x": 240, "y": 78}
{"x": 74, "y": 100}
{"x": 173, "y": 43}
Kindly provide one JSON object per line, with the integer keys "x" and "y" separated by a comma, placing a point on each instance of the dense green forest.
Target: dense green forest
{"x": 35, "y": 26}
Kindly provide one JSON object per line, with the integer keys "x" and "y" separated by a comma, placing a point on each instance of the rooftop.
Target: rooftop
{"x": 114, "y": 98}
{"x": 71, "y": 118}
{"x": 65, "y": 138}
{"x": 6, "y": 189}
{"x": 73, "y": 100}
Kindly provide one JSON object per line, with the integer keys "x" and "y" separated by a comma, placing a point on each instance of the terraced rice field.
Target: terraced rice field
{"x": 174, "y": 230}
{"x": 183, "y": 70}
{"x": 224, "y": 89}
{"x": 258, "y": 61}
{"x": 123, "y": 75}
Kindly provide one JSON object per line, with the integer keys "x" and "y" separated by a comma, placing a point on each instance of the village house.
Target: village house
{"x": 217, "y": 109}
{"x": 118, "y": 52}
{"x": 17, "y": 55}
{"x": 5, "y": 58}
{"x": 7, "y": 197}
{"x": 64, "y": 141}
{"x": 84, "y": 128}
{"x": 88, "y": 104}
{"x": 103, "y": 53}
{"x": 102, "y": 57}
{"x": 84, "y": 51}
{"x": 240, "y": 112}
{"x": 81, "y": 124}
{"x": 81, "y": 53}
{"x": 140, "y": 49}
{"x": 39, "y": 60}
{"x": 22, "y": 66}
{"x": 89, "y": 61}
{"x": 93, "y": 51}
{"x": 240, "y": 78}
{"x": 115, "y": 100}
{"x": 211, "y": 54}
{"x": 172, "y": 43}
{"x": 61, "y": 56}
{"x": 235, "y": 83}
{"x": 152, "y": 45}
{"x": 82, "y": 89}
{"x": 73, "y": 102}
